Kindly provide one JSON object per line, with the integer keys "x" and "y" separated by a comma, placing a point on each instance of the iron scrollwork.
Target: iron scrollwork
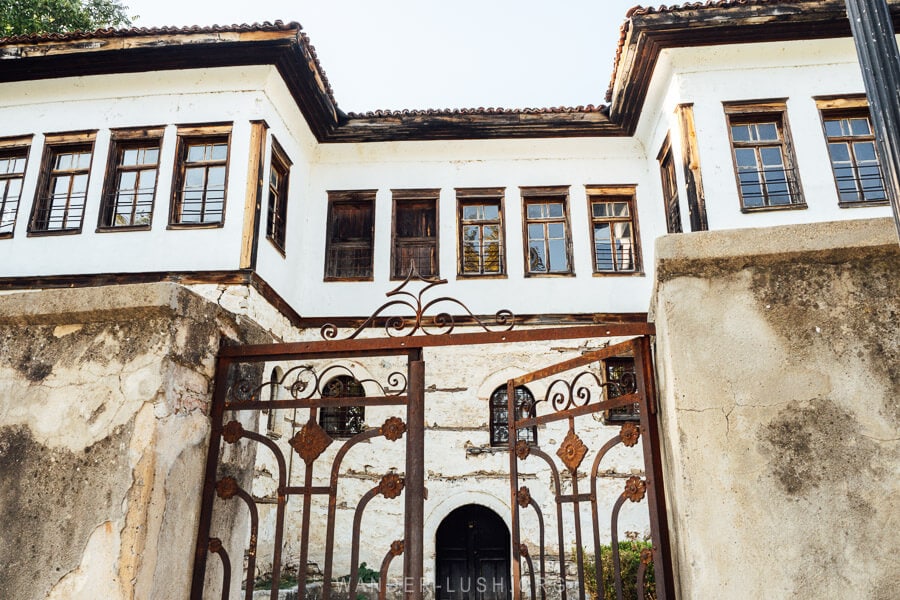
{"x": 405, "y": 326}
{"x": 303, "y": 382}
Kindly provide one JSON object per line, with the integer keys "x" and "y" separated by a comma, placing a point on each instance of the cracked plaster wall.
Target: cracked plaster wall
{"x": 779, "y": 368}
{"x": 103, "y": 429}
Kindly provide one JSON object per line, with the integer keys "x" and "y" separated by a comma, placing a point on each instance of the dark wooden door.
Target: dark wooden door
{"x": 473, "y": 556}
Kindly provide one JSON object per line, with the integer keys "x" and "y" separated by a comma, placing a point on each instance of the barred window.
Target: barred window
{"x": 548, "y": 244}
{"x": 480, "y": 214}
{"x": 499, "y": 415}
{"x": 62, "y": 188}
{"x": 614, "y": 231}
{"x": 200, "y": 177}
{"x": 342, "y": 421}
{"x": 670, "y": 188}
{"x": 854, "y": 159}
{"x": 350, "y": 235}
{"x": 621, "y": 379}
{"x": 13, "y": 158}
{"x": 763, "y": 157}
{"x": 415, "y": 241}
{"x": 131, "y": 178}
{"x": 276, "y": 223}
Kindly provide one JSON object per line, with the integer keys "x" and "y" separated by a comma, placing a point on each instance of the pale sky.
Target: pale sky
{"x": 395, "y": 54}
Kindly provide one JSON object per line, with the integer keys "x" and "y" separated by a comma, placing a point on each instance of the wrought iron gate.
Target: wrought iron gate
{"x": 574, "y": 394}
{"x": 238, "y": 399}
{"x": 239, "y": 392}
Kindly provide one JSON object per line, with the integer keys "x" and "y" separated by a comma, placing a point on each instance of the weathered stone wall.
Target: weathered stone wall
{"x": 103, "y": 434}
{"x": 779, "y": 359}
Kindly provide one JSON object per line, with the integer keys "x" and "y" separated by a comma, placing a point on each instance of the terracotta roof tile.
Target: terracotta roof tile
{"x": 432, "y": 112}
{"x": 663, "y": 9}
{"x": 36, "y": 38}
{"x": 140, "y": 31}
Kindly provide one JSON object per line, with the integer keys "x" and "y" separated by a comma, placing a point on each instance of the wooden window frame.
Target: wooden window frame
{"x": 193, "y": 135}
{"x": 54, "y": 145}
{"x": 478, "y": 196}
{"x": 276, "y": 215}
{"x": 498, "y": 424}
{"x": 120, "y": 140}
{"x": 617, "y": 193}
{"x": 542, "y": 195}
{"x": 853, "y": 106}
{"x": 349, "y": 197}
{"x": 669, "y": 179}
{"x": 416, "y": 196}
{"x": 12, "y": 147}
{"x": 766, "y": 111}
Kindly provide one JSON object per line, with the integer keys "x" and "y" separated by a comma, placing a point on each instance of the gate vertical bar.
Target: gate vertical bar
{"x": 512, "y": 436}
{"x": 217, "y": 411}
{"x": 656, "y": 499}
{"x": 415, "y": 477}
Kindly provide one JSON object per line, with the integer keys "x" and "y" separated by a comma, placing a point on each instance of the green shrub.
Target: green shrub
{"x": 630, "y": 560}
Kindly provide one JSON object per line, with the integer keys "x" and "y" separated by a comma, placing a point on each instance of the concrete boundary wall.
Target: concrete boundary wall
{"x": 103, "y": 438}
{"x": 778, "y": 353}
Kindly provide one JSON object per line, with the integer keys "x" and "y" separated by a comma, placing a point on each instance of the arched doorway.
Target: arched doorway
{"x": 472, "y": 555}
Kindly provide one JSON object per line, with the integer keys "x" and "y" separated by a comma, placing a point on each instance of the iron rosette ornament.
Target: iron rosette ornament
{"x": 635, "y": 488}
{"x": 391, "y": 485}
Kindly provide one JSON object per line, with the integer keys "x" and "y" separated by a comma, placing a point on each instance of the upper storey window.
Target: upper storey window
{"x": 62, "y": 188}
{"x": 851, "y": 147}
{"x": 763, "y": 156}
{"x": 350, "y": 236}
{"x": 548, "y": 243}
{"x": 670, "y": 188}
{"x": 614, "y": 230}
{"x": 276, "y": 223}
{"x": 481, "y": 246}
{"x": 200, "y": 176}
{"x": 415, "y": 242}
{"x": 13, "y": 157}
{"x": 131, "y": 178}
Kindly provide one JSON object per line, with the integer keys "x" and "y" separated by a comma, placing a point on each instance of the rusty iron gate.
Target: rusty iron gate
{"x": 238, "y": 391}
{"x": 239, "y": 397}
{"x": 573, "y": 393}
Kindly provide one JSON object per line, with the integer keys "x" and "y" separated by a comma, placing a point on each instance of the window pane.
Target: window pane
{"x": 535, "y": 231}
{"x": 740, "y": 133}
{"x": 536, "y": 258}
{"x": 767, "y": 132}
{"x": 771, "y": 157}
{"x": 194, "y": 178}
{"x": 492, "y": 232}
{"x": 196, "y": 152}
{"x": 130, "y": 157}
{"x": 471, "y": 212}
{"x": 556, "y": 231}
{"x": 216, "y": 177}
{"x": 865, "y": 151}
{"x": 559, "y": 262}
{"x": 860, "y": 127}
{"x": 534, "y": 210}
{"x": 555, "y": 210}
{"x": 833, "y": 127}
{"x": 603, "y": 260}
{"x": 491, "y": 212}
{"x": 219, "y": 152}
{"x": 127, "y": 181}
{"x": 839, "y": 152}
{"x": 746, "y": 158}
